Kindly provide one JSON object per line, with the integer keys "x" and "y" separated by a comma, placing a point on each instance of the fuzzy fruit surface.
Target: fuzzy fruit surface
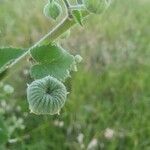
{"x": 46, "y": 96}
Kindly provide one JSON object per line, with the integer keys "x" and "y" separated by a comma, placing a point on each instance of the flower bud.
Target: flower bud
{"x": 52, "y": 10}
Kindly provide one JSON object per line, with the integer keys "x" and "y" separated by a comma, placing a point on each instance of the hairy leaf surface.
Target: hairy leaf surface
{"x": 51, "y": 60}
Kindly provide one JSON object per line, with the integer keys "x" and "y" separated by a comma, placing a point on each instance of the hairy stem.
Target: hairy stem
{"x": 51, "y": 36}
{"x": 67, "y": 4}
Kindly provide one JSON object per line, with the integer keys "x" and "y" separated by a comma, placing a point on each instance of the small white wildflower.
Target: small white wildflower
{"x": 109, "y": 133}
{"x": 93, "y": 144}
{"x": 19, "y": 123}
{"x": 61, "y": 124}
{"x": 13, "y": 140}
{"x": 80, "y": 138}
{"x": 25, "y": 71}
{"x": 8, "y": 89}
{"x": 56, "y": 123}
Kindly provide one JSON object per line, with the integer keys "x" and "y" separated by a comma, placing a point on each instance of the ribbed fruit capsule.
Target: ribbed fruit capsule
{"x": 96, "y": 6}
{"x": 52, "y": 10}
{"x": 46, "y": 96}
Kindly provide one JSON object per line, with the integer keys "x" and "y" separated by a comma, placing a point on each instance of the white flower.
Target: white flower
{"x": 8, "y": 89}
{"x": 93, "y": 144}
{"x": 80, "y": 138}
{"x": 59, "y": 123}
{"x": 56, "y": 123}
{"x": 109, "y": 133}
{"x": 25, "y": 71}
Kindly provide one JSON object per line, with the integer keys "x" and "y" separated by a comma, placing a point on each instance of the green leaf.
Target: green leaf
{"x": 3, "y": 132}
{"x": 8, "y": 55}
{"x": 46, "y": 53}
{"x": 51, "y": 60}
{"x": 77, "y": 15}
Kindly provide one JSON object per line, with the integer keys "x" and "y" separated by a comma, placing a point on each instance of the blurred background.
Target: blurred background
{"x": 108, "y": 106}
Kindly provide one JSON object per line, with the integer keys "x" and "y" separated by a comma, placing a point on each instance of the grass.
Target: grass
{"x": 110, "y": 90}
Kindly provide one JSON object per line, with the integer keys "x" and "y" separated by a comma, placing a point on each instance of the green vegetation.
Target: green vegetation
{"x": 109, "y": 100}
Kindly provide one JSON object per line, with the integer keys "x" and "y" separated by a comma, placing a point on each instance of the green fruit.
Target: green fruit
{"x": 52, "y": 10}
{"x": 96, "y": 6}
{"x": 46, "y": 96}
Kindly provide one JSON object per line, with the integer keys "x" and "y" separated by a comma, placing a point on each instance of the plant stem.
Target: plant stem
{"x": 51, "y": 36}
{"x": 77, "y": 7}
{"x": 67, "y": 4}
